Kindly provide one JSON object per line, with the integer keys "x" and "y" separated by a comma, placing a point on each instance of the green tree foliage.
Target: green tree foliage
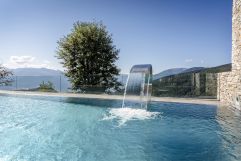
{"x": 5, "y": 76}
{"x": 46, "y": 87}
{"x": 88, "y": 56}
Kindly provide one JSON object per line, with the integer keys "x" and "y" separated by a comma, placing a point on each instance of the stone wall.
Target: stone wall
{"x": 227, "y": 87}
{"x": 229, "y": 84}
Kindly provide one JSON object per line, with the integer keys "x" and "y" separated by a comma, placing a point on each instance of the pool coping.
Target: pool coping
{"x": 114, "y": 97}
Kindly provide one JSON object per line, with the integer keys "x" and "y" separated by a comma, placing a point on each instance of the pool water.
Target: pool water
{"x": 42, "y": 128}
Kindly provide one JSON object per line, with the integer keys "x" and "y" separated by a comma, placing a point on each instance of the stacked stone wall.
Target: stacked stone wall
{"x": 226, "y": 87}
{"x": 229, "y": 84}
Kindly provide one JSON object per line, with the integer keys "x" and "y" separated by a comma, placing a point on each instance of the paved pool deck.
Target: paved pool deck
{"x": 115, "y": 97}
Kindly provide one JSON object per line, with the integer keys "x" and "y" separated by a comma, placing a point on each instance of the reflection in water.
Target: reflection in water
{"x": 229, "y": 120}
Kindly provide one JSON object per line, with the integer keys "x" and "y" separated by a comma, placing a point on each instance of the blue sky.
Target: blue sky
{"x": 164, "y": 33}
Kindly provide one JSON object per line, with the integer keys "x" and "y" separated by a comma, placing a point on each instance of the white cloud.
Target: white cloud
{"x": 188, "y": 60}
{"x": 22, "y": 60}
{"x": 26, "y": 62}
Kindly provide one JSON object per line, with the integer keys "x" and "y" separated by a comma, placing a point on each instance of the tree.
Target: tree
{"x": 88, "y": 56}
{"x": 46, "y": 87}
{"x": 5, "y": 76}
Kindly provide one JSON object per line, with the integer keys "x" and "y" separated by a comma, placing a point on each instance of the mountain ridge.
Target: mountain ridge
{"x": 36, "y": 72}
{"x": 174, "y": 71}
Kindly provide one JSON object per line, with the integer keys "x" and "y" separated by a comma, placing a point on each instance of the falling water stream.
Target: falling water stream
{"x": 138, "y": 86}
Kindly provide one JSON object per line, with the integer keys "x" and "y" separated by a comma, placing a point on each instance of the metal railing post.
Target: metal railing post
{"x": 60, "y": 83}
{"x": 16, "y": 79}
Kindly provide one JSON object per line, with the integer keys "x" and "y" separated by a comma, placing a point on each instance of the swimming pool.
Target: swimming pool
{"x": 54, "y": 128}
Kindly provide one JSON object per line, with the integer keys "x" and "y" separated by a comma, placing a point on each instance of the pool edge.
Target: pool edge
{"x": 113, "y": 97}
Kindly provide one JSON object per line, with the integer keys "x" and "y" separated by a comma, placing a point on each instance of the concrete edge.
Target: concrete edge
{"x": 114, "y": 97}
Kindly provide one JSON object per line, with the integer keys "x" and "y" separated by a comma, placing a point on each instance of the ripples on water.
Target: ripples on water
{"x": 41, "y": 128}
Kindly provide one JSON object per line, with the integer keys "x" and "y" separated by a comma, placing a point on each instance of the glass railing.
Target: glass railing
{"x": 186, "y": 85}
{"x": 58, "y": 83}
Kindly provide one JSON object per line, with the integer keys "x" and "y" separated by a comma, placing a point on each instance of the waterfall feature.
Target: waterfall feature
{"x": 138, "y": 86}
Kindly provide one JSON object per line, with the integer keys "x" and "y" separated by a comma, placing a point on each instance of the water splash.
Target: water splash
{"x": 126, "y": 114}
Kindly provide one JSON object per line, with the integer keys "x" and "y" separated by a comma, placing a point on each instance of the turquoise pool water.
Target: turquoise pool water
{"x": 42, "y": 128}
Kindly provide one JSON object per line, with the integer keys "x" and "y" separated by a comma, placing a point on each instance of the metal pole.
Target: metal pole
{"x": 147, "y": 96}
{"x": 16, "y": 79}
{"x": 60, "y": 83}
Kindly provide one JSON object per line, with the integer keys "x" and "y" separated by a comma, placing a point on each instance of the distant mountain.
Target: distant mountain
{"x": 218, "y": 69}
{"x": 168, "y": 72}
{"x": 175, "y": 71}
{"x": 30, "y": 78}
{"x": 36, "y": 72}
{"x": 193, "y": 69}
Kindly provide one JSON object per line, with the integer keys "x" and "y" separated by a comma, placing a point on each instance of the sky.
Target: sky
{"x": 164, "y": 33}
